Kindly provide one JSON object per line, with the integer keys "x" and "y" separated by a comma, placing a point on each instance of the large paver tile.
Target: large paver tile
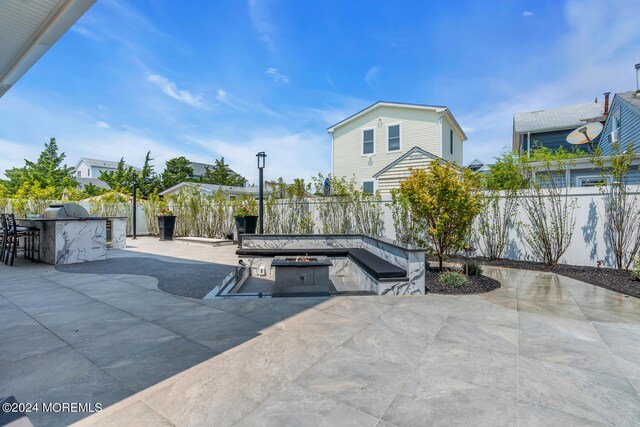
{"x": 20, "y": 347}
{"x": 467, "y": 363}
{"x": 583, "y": 393}
{"x": 101, "y": 323}
{"x": 121, "y": 345}
{"x": 150, "y": 305}
{"x": 151, "y": 365}
{"x": 296, "y": 406}
{"x": 217, "y": 392}
{"x": 93, "y": 387}
{"x": 40, "y": 372}
{"x": 356, "y": 379}
{"x": 276, "y": 312}
{"x": 218, "y": 330}
{"x": 623, "y": 340}
{"x": 532, "y": 415}
{"x": 137, "y": 412}
{"x": 238, "y": 305}
{"x": 358, "y": 308}
{"x": 449, "y": 402}
{"x": 14, "y": 322}
{"x": 492, "y": 337}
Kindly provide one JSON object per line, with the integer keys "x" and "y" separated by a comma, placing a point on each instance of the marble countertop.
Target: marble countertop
{"x": 89, "y": 218}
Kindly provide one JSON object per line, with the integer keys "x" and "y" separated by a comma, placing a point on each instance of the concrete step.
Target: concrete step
{"x": 203, "y": 241}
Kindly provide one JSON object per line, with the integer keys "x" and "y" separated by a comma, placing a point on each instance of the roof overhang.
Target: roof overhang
{"x": 28, "y": 28}
{"x": 379, "y": 104}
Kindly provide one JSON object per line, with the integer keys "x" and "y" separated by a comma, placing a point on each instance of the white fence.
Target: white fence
{"x": 588, "y": 244}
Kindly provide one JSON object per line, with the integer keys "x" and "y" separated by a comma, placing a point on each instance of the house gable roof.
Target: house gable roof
{"x": 435, "y": 108}
{"x": 414, "y": 150}
{"x": 631, "y": 99}
{"x": 568, "y": 117}
{"x": 109, "y": 164}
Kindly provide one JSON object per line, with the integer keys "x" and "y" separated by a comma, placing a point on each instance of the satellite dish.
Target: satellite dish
{"x": 585, "y": 134}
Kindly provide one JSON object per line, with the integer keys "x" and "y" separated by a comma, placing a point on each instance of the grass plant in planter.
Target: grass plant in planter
{"x": 246, "y": 221}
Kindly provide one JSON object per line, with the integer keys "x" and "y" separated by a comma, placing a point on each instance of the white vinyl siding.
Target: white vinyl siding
{"x": 399, "y": 172}
{"x": 419, "y": 128}
{"x": 447, "y": 132}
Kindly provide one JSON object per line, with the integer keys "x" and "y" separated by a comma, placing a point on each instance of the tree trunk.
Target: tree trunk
{"x": 439, "y": 262}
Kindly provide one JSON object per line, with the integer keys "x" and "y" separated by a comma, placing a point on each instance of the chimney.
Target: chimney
{"x": 606, "y": 103}
{"x": 637, "y": 79}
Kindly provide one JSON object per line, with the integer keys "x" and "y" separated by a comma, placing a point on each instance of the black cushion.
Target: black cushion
{"x": 376, "y": 266}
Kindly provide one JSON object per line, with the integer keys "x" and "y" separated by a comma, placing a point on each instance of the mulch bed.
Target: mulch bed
{"x": 615, "y": 280}
{"x": 476, "y": 285}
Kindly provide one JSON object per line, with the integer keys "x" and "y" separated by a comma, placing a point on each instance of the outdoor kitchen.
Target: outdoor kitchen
{"x": 69, "y": 234}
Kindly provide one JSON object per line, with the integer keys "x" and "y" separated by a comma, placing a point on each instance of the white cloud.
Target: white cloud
{"x": 262, "y": 22}
{"x": 527, "y": 13}
{"x": 103, "y": 125}
{"x": 169, "y": 88}
{"x": 13, "y": 154}
{"x": 371, "y": 76}
{"x": 276, "y": 76}
{"x": 238, "y": 104}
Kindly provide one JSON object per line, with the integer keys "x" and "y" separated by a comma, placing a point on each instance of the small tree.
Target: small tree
{"x": 621, "y": 206}
{"x": 498, "y": 215}
{"x": 547, "y": 205}
{"x": 445, "y": 200}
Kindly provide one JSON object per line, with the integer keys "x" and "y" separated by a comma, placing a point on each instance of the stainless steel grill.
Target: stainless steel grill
{"x": 65, "y": 210}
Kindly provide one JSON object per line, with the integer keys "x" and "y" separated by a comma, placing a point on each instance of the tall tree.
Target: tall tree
{"x": 222, "y": 174}
{"x": 176, "y": 171}
{"x": 49, "y": 171}
{"x": 148, "y": 181}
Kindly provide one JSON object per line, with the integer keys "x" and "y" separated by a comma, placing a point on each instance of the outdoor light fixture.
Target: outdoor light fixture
{"x": 261, "y": 161}
{"x": 134, "y": 204}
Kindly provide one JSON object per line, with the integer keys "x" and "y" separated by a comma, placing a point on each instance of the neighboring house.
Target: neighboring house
{"x": 549, "y": 128}
{"x": 199, "y": 169}
{"x": 92, "y": 168}
{"x": 211, "y": 189}
{"x": 380, "y": 144}
{"x": 478, "y": 166}
{"x": 623, "y": 124}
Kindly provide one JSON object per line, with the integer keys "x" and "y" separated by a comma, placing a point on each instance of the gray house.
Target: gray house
{"x": 623, "y": 124}
{"x": 549, "y": 128}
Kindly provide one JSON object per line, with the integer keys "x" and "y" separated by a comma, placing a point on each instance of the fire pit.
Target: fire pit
{"x": 301, "y": 276}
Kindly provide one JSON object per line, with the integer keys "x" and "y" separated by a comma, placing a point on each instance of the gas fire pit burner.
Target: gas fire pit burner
{"x": 301, "y": 276}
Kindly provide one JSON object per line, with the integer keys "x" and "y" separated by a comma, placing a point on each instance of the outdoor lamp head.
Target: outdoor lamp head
{"x": 261, "y": 159}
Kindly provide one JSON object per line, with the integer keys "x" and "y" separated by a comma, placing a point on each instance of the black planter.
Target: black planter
{"x": 246, "y": 225}
{"x": 166, "y": 223}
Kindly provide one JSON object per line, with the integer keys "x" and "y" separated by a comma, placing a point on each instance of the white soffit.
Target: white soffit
{"x": 28, "y": 28}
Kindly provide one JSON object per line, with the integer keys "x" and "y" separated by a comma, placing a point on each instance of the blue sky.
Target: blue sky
{"x": 230, "y": 78}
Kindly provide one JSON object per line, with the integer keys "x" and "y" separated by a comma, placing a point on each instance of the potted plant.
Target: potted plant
{"x": 166, "y": 224}
{"x": 246, "y": 222}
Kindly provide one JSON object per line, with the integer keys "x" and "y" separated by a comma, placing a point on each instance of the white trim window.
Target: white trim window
{"x": 368, "y": 186}
{"x": 368, "y": 141}
{"x": 393, "y": 137}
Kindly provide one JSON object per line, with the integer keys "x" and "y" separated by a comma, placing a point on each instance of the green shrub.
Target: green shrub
{"x": 474, "y": 268}
{"x": 635, "y": 269}
{"x": 453, "y": 279}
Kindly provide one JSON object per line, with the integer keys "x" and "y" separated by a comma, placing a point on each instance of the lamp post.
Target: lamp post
{"x": 135, "y": 190}
{"x": 261, "y": 160}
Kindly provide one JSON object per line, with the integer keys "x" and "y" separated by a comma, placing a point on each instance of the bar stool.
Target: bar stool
{"x": 30, "y": 235}
{"x": 4, "y": 236}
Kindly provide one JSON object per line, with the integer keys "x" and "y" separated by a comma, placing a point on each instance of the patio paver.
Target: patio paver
{"x": 541, "y": 348}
